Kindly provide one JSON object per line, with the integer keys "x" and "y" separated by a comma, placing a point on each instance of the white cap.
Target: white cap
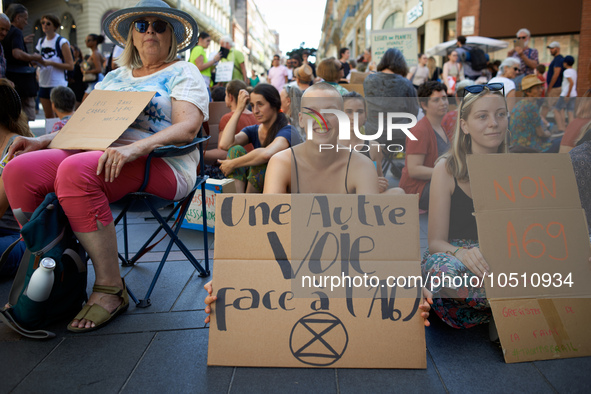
{"x": 554, "y": 44}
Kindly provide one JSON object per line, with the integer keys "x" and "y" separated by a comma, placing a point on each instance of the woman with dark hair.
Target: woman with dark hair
{"x": 53, "y": 72}
{"x": 75, "y": 78}
{"x": 388, "y": 90}
{"x": 272, "y": 135}
{"x": 13, "y": 123}
{"x": 199, "y": 58}
{"x": 93, "y": 67}
{"x": 431, "y": 142}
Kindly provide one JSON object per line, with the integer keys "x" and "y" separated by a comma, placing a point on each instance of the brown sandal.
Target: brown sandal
{"x": 99, "y": 315}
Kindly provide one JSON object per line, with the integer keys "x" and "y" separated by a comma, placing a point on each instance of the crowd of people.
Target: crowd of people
{"x": 266, "y": 141}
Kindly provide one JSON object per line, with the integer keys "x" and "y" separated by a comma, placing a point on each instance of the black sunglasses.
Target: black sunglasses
{"x": 142, "y": 26}
{"x": 492, "y": 87}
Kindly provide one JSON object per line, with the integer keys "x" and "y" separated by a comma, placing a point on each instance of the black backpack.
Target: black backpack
{"x": 47, "y": 234}
{"x": 478, "y": 59}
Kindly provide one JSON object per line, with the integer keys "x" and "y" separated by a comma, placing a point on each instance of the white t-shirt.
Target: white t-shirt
{"x": 572, "y": 74}
{"x": 277, "y": 76}
{"x": 50, "y": 77}
{"x": 509, "y": 84}
{"x": 182, "y": 81}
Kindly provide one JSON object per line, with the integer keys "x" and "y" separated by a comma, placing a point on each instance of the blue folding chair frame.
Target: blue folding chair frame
{"x": 140, "y": 200}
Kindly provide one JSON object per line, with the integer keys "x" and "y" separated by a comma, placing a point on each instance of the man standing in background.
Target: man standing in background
{"x": 18, "y": 68}
{"x": 278, "y": 75}
{"x": 237, "y": 57}
{"x": 554, "y": 80}
{"x": 528, "y": 57}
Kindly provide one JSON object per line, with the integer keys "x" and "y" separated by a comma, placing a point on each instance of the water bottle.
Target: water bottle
{"x": 41, "y": 281}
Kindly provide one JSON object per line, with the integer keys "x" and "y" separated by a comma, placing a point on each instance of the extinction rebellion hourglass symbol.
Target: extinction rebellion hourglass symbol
{"x": 318, "y": 339}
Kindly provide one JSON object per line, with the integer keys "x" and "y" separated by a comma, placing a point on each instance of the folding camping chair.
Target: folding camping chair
{"x": 141, "y": 201}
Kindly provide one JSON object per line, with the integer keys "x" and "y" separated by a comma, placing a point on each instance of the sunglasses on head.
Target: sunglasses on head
{"x": 142, "y": 26}
{"x": 491, "y": 87}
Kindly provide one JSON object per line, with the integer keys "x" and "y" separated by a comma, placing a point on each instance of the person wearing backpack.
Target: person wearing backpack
{"x": 473, "y": 59}
{"x": 56, "y": 52}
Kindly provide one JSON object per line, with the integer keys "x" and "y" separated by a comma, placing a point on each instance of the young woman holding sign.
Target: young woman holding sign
{"x": 328, "y": 171}
{"x": 317, "y": 166}
{"x": 453, "y": 238}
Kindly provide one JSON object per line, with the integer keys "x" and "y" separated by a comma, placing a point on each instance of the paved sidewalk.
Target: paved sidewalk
{"x": 163, "y": 348}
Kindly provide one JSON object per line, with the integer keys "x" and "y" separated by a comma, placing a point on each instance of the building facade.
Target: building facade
{"x": 348, "y": 23}
{"x": 252, "y": 33}
{"x": 216, "y": 17}
{"x": 568, "y": 22}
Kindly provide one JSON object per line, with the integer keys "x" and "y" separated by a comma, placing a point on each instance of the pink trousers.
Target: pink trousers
{"x": 84, "y": 196}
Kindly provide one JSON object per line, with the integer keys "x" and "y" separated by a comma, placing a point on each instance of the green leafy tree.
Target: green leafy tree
{"x": 299, "y": 51}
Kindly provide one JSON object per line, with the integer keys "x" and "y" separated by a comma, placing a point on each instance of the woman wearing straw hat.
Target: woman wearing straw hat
{"x": 87, "y": 181}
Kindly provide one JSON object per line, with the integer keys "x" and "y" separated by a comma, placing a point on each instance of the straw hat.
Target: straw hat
{"x": 117, "y": 25}
{"x": 529, "y": 81}
{"x": 304, "y": 73}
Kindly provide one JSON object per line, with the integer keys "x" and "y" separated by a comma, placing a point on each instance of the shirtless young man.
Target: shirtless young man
{"x": 311, "y": 167}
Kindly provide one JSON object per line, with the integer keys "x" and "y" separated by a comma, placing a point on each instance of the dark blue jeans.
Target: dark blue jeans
{"x": 7, "y": 237}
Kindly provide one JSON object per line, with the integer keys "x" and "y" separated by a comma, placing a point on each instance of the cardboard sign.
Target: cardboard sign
{"x": 275, "y": 308}
{"x": 49, "y": 124}
{"x": 194, "y": 217}
{"x": 403, "y": 39}
{"x": 223, "y": 71}
{"x": 101, "y": 119}
{"x": 533, "y": 234}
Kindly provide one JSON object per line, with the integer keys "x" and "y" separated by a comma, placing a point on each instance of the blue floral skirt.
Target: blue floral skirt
{"x": 464, "y": 306}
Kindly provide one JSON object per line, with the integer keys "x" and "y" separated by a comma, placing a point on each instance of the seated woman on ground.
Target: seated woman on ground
{"x": 527, "y": 130}
{"x": 432, "y": 141}
{"x": 246, "y": 119}
{"x": 273, "y": 135}
{"x": 355, "y": 105}
{"x": 291, "y": 98}
{"x": 315, "y": 171}
{"x": 453, "y": 237}
{"x": 13, "y": 122}
{"x": 507, "y": 72}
